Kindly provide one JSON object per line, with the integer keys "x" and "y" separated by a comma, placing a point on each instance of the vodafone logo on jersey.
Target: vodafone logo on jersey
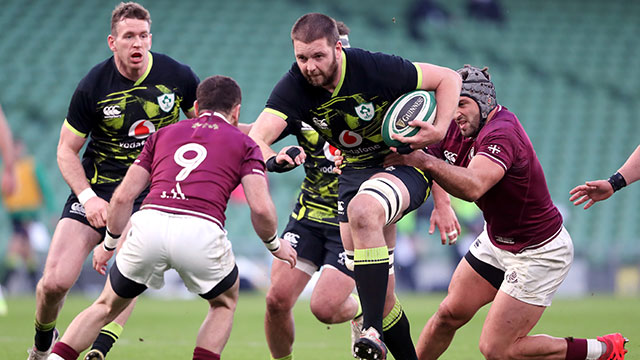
{"x": 141, "y": 129}
{"x": 329, "y": 151}
{"x": 350, "y": 139}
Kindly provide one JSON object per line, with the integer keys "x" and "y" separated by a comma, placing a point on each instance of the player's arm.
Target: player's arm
{"x": 8, "y": 156}
{"x": 264, "y": 218}
{"x": 121, "y": 204}
{"x": 599, "y": 190}
{"x": 631, "y": 168}
{"x": 191, "y": 113}
{"x": 72, "y": 171}
{"x": 468, "y": 183}
{"x": 443, "y": 217}
{"x": 446, "y": 84}
{"x": 120, "y": 208}
{"x": 265, "y": 131}
{"x": 245, "y": 128}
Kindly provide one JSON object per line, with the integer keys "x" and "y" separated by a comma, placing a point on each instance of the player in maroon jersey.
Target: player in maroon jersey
{"x": 192, "y": 167}
{"x": 523, "y": 255}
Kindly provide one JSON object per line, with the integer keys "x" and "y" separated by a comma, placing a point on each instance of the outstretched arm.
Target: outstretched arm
{"x": 264, "y": 218}
{"x": 631, "y": 168}
{"x": 265, "y": 131}
{"x": 598, "y": 190}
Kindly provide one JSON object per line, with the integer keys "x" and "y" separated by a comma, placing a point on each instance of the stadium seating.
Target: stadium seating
{"x": 566, "y": 68}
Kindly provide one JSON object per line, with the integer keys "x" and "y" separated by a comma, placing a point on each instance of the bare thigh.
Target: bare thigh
{"x": 71, "y": 244}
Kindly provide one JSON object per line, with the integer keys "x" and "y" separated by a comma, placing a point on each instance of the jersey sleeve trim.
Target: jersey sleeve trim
{"x": 419, "y": 70}
{"x": 277, "y": 113}
{"x": 258, "y": 171}
{"x": 494, "y": 159}
{"x": 146, "y": 72}
{"x": 342, "y": 76}
{"x": 73, "y": 130}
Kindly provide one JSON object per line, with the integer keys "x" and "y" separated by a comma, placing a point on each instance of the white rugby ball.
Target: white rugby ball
{"x": 414, "y": 105}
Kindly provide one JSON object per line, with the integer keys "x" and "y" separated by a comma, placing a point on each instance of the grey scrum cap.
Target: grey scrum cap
{"x": 476, "y": 84}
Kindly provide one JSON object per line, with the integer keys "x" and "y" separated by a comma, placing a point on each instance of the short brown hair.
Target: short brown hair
{"x": 343, "y": 29}
{"x": 218, "y": 93}
{"x": 128, "y": 10}
{"x": 313, "y": 26}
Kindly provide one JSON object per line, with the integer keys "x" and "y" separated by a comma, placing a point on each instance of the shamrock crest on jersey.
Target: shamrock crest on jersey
{"x": 166, "y": 101}
{"x": 365, "y": 111}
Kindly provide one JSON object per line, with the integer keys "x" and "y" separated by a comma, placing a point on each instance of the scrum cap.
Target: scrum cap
{"x": 476, "y": 84}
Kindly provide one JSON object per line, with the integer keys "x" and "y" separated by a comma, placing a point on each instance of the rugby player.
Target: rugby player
{"x": 117, "y": 105}
{"x": 524, "y": 253}
{"x": 192, "y": 168}
{"x": 343, "y": 95}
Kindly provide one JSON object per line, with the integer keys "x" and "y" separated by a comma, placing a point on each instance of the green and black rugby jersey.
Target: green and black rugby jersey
{"x": 350, "y": 118}
{"x": 119, "y": 114}
{"x": 318, "y": 199}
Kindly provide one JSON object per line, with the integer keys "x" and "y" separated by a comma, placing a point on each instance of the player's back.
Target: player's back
{"x": 196, "y": 163}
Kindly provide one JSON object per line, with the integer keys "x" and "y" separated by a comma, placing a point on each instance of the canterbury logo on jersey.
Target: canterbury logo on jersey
{"x": 321, "y": 123}
{"x": 450, "y": 156}
{"x": 112, "y": 111}
{"x": 77, "y": 208}
{"x": 292, "y": 238}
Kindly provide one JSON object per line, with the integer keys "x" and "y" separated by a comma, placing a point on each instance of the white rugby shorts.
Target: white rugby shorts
{"x": 196, "y": 248}
{"x": 532, "y": 276}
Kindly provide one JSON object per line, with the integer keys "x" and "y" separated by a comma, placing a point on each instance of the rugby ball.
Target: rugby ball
{"x": 414, "y": 105}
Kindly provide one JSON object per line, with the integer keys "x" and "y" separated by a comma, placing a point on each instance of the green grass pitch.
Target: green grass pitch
{"x": 166, "y": 329}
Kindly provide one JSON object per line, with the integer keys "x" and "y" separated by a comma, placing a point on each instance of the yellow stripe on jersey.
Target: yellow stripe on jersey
{"x": 419, "y": 70}
{"x": 146, "y": 72}
{"x": 94, "y": 178}
{"x": 342, "y": 76}
{"x": 277, "y": 113}
{"x": 426, "y": 178}
{"x": 73, "y": 130}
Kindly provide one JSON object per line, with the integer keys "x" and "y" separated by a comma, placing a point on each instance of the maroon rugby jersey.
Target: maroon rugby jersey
{"x": 195, "y": 164}
{"x": 518, "y": 209}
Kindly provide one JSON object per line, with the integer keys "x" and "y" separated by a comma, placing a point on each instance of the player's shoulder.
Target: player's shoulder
{"x": 168, "y": 65}
{"x": 503, "y": 124}
{"x": 97, "y": 74}
{"x": 164, "y": 59}
{"x": 504, "y": 120}
{"x": 292, "y": 85}
{"x": 357, "y": 55}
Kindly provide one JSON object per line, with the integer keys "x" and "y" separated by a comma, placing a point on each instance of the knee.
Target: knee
{"x": 491, "y": 351}
{"x": 278, "y": 302}
{"x": 364, "y": 214}
{"x": 450, "y": 317}
{"x": 323, "y": 311}
{"x": 497, "y": 348}
{"x": 53, "y": 287}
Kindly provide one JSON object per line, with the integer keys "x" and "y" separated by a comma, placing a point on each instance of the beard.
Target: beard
{"x": 323, "y": 78}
